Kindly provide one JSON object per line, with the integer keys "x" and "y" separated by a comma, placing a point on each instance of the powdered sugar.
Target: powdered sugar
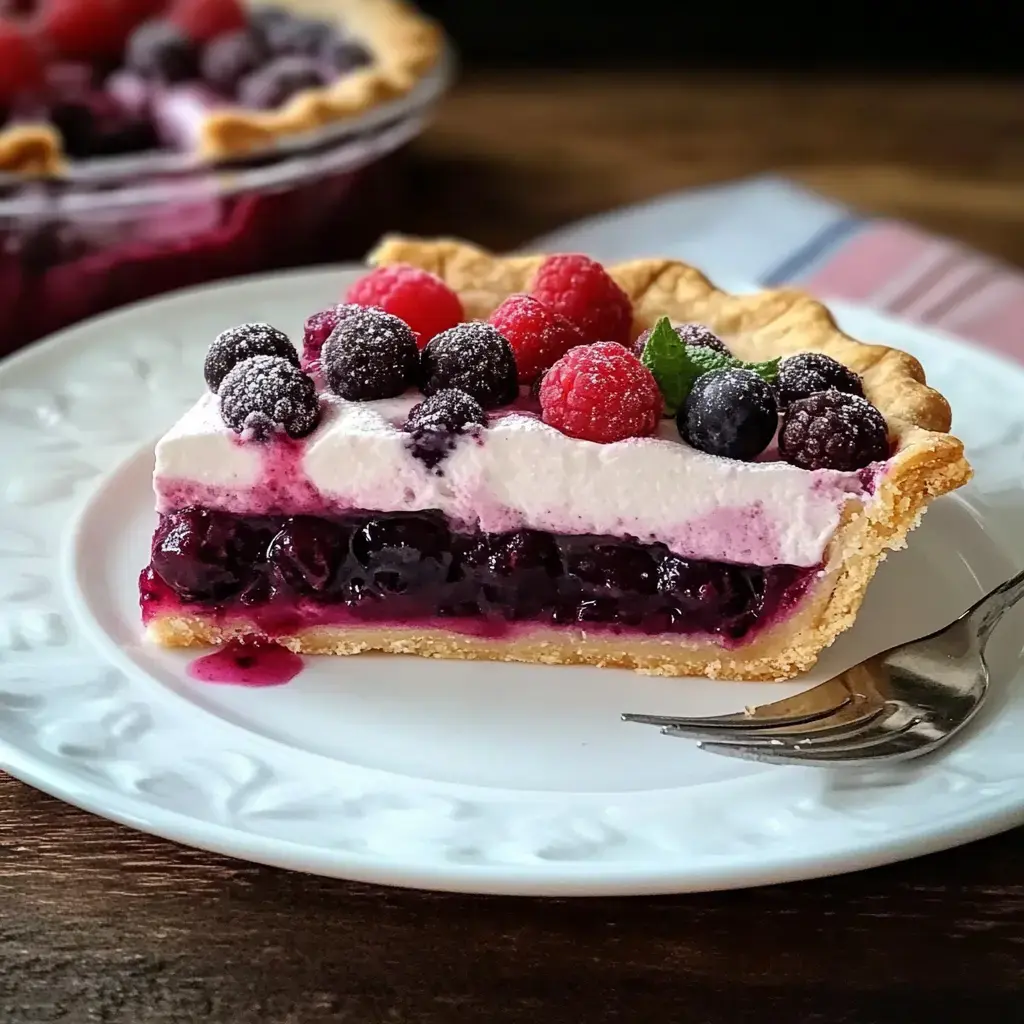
{"x": 264, "y": 395}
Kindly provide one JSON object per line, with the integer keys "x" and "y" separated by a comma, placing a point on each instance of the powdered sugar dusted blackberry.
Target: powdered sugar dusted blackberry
{"x": 699, "y": 334}
{"x": 265, "y": 395}
{"x": 435, "y": 423}
{"x": 808, "y": 372}
{"x": 833, "y": 430}
{"x": 369, "y": 355}
{"x": 475, "y": 358}
{"x": 230, "y": 347}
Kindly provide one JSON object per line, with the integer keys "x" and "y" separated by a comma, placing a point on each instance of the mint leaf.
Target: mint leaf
{"x": 665, "y": 356}
{"x": 677, "y": 367}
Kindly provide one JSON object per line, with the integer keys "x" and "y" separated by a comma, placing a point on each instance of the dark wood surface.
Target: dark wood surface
{"x": 101, "y": 924}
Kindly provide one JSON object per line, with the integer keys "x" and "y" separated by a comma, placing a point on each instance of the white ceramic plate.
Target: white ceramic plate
{"x": 462, "y": 776}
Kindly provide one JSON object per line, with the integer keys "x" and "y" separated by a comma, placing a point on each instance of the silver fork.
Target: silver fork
{"x": 902, "y": 703}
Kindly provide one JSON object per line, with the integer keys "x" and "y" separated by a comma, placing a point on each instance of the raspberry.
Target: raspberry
{"x": 203, "y": 20}
{"x": 601, "y": 393}
{"x": 538, "y": 335}
{"x": 319, "y": 328}
{"x": 88, "y": 30}
{"x": 807, "y": 372}
{"x": 689, "y": 334}
{"x": 419, "y": 298}
{"x": 370, "y": 355}
{"x": 730, "y": 413}
{"x": 21, "y": 66}
{"x": 475, "y": 358}
{"x": 833, "y": 430}
{"x": 582, "y": 291}
{"x": 230, "y": 347}
{"x": 264, "y": 395}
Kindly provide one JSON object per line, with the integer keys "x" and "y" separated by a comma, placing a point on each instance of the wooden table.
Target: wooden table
{"x": 101, "y": 924}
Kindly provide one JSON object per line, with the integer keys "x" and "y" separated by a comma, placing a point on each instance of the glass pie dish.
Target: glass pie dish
{"x": 117, "y": 230}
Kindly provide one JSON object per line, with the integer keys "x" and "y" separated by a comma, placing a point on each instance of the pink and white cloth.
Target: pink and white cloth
{"x": 772, "y": 232}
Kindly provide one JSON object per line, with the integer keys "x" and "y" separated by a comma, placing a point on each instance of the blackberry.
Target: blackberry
{"x": 369, "y": 355}
{"x": 435, "y": 422}
{"x": 475, "y": 358}
{"x": 833, "y": 430}
{"x": 229, "y": 58}
{"x": 264, "y": 395}
{"x": 230, "y": 347}
{"x": 159, "y": 51}
{"x": 809, "y": 372}
{"x": 731, "y": 413}
{"x": 277, "y": 82}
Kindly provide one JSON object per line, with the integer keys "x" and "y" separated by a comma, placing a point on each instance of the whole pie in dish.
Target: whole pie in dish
{"x": 217, "y": 78}
{"x": 540, "y": 459}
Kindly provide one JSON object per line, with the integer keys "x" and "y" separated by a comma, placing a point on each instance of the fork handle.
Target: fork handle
{"x": 985, "y": 614}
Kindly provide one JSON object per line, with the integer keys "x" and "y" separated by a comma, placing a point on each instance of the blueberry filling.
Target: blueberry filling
{"x": 388, "y": 567}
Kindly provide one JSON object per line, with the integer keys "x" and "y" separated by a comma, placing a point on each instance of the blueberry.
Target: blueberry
{"x": 475, "y": 358}
{"x": 710, "y": 596}
{"x": 264, "y": 395}
{"x": 307, "y": 552}
{"x": 403, "y": 553}
{"x": 513, "y": 575}
{"x": 205, "y": 556}
{"x": 370, "y": 355}
{"x": 731, "y": 413}
{"x": 229, "y": 58}
{"x": 809, "y": 372}
{"x": 833, "y": 430}
{"x": 277, "y": 82}
{"x": 230, "y": 347}
{"x": 437, "y": 421}
{"x": 160, "y": 51}
{"x": 298, "y": 36}
{"x": 617, "y": 567}
{"x": 345, "y": 54}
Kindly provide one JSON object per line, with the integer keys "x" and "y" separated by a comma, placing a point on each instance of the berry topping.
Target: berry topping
{"x": 203, "y": 555}
{"x": 731, "y": 413}
{"x": 403, "y": 553}
{"x": 308, "y": 552}
{"x": 436, "y": 421}
{"x": 538, "y": 335}
{"x": 230, "y": 347}
{"x": 264, "y": 395}
{"x": 583, "y": 292}
{"x": 808, "y": 372}
{"x": 159, "y": 50}
{"x": 419, "y": 298}
{"x": 833, "y": 430}
{"x": 474, "y": 357}
{"x": 601, "y": 393}
{"x": 345, "y": 55}
{"x": 698, "y": 334}
{"x": 277, "y": 82}
{"x": 229, "y": 58}
{"x": 203, "y": 20}
{"x": 688, "y": 334}
{"x": 618, "y": 568}
{"x": 21, "y": 66}
{"x": 318, "y": 329}
{"x": 369, "y": 355}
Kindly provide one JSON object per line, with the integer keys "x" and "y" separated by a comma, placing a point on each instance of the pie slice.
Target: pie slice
{"x": 537, "y": 459}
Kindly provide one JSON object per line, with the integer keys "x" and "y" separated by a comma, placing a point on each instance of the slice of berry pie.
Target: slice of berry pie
{"x": 535, "y": 459}
{"x": 216, "y": 78}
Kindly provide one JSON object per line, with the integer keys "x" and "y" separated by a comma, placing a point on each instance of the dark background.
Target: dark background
{"x": 905, "y": 35}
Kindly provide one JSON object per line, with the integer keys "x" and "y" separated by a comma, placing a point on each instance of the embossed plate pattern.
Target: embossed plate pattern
{"x": 470, "y": 777}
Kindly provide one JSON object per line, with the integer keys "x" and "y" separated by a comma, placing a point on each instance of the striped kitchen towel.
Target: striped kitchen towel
{"x": 772, "y": 232}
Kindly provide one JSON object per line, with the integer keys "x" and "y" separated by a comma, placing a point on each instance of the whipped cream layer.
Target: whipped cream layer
{"x": 517, "y": 473}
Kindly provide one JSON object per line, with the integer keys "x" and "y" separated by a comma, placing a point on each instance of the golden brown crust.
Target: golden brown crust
{"x": 406, "y": 45}
{"x": 927, "y": 462}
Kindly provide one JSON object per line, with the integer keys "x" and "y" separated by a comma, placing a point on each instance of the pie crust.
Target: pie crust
{"x": 406, "y": 46}
{"x": 927, "y": 462}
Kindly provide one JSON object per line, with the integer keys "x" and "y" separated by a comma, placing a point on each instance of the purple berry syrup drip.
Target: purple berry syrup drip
{"x": 410, "y": 566}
